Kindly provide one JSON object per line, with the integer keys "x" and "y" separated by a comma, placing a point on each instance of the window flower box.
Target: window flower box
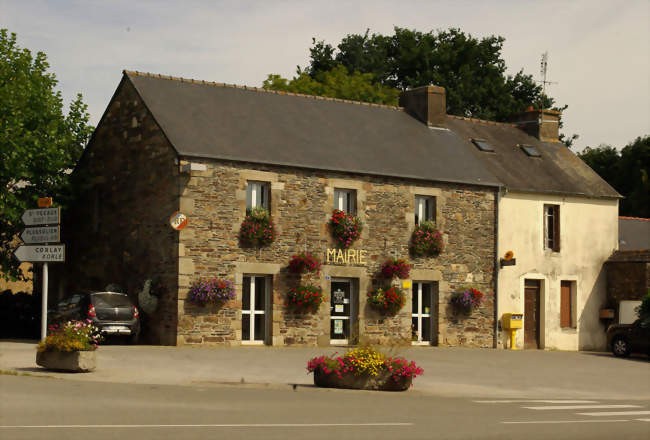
{"x": 346, "y": 228}
{"x": 426, "y": 240}
{"x": 257, "y": 229}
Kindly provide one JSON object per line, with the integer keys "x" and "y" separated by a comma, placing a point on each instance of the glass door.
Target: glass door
{"x": 340, "y": 311}
{"x": 421, "y": 313}
{"x": 254, "y": 307}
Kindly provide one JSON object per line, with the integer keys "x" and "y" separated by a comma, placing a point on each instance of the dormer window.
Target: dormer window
{"x": 482, "y": 145}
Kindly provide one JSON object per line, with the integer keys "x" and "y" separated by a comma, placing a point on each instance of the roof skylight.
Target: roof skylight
{"x": 482, "y": 145}
{"x": 530, "y": 151}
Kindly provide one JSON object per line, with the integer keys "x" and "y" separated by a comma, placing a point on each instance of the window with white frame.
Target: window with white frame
{"x": 425, "y": 209}
{"x": 552, "y": 227}
{"x": 255, "y": 309}
{"x": 345, "y": 200}
{"x": 422, "y": 310}
{"x": 258, "y": 194}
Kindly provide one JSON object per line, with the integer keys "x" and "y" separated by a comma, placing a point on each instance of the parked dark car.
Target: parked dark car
{"x": 624, "y": 339}
{"x": 112, "y": 313}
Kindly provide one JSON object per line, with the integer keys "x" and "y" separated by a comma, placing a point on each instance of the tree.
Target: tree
{"x": 471, "y": 70}
{"x": 38, "y": 142}
{"x": 336, "y": 83}
{"x": 627, "y": 171}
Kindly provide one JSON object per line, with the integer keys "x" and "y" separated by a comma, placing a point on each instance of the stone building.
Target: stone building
{"x": 213, "y": 151}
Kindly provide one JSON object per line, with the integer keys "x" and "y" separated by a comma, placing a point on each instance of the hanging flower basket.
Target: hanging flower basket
{"x": 346, "y": 228}
{"x": 304, "y": 262}
{"x": 304, "y": 299}
{"x": 257, "y": 229}
{"x": 395, "y": 267}
{"x": 215, "y": 292}
{"x": 426, "y": 240}
{"x": 467, "y": 299}
{"x": 387, "y": 301}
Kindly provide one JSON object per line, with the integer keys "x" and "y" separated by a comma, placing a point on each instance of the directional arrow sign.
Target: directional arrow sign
{"x": 41, "y": 234}
{"x": 45, "y": 216}
{"x": 41, "y": 253}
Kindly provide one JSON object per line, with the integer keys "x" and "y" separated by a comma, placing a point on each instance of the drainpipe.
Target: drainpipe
{"x": 497, "y": 268}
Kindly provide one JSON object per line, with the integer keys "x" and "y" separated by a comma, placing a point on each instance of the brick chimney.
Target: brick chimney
{"x": 543, "y": 124}
{"x": 428, "y": 104}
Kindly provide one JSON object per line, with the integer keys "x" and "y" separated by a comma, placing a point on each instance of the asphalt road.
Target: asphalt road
{"x": 51, "y": 408}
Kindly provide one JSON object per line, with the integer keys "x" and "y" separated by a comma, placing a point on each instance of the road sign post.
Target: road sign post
{"x": 45, "y": 252}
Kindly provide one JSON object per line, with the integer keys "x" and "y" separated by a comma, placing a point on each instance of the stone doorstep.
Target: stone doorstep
{"x": 75, "y": 361}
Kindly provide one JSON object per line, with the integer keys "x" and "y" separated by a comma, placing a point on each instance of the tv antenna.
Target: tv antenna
{"x": 542, "y": 70}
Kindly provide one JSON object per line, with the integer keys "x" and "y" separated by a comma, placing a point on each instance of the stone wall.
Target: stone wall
{"x": 301, "y": 205}
{"x": 118, "y": 231}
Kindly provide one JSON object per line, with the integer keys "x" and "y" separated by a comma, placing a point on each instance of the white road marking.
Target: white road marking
{"x": 561, "y": 421}
{"x": 643, "y": 420}
{"x": 534, "y": 401}
{"x": 616, "y": 413}
{"x": 226, "y": 425}
{"x": 543, "y": 408}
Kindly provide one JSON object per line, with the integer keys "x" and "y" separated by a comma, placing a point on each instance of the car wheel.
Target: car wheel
{"x": 620, "y": 347}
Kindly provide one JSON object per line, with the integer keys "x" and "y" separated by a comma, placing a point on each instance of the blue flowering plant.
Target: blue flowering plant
{"x": 215, "y": 291}
{"x": 467, "y": 299}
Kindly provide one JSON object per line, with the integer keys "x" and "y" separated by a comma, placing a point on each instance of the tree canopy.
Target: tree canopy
{"x": 39, "y": 143}
{"x": 472, "y": 70}
{"x": 627, "y": 171}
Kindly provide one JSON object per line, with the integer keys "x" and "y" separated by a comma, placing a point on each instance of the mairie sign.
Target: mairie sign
{"x": 41, "y": 253}
{"x": 44, "y": 216}
{"x": 41, "y": 234}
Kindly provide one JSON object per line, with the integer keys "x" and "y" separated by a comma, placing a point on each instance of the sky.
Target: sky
{"x": 598, "y": 51}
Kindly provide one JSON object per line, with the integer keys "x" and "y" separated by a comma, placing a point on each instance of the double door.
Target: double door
{"x": 256, "y": 309}
{"x": 424, "y": 314}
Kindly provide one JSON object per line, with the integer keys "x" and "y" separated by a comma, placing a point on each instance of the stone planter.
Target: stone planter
{"x": 382, "y": 382}
{"x": 74, "y": 361}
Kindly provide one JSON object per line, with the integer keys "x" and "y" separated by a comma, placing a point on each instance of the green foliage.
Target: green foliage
{"x": 38, "y": 142}
{"x": 336, "y": 83}
{"x": 627, "y": 171}
{"x": 643, "y": 311}
{"x": 472, "y": 70}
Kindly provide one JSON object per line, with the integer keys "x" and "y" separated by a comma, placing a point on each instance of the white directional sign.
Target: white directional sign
{"x": 41, "y": 253}
{"x": 41, "y": 234}
{"x": 44, "y": 216}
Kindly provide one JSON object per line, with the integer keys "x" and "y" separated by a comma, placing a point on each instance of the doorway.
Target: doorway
{"x": 424, "y": 313}
{"x": 256, "y": 306}
{"x": 532, "y": 290}
{"x": 342, "y": 311}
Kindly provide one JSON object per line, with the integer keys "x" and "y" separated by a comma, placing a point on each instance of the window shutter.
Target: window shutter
{"x": 565, "y": 304}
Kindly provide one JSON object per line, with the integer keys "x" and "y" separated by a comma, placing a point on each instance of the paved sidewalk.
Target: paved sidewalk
{"x": 447, "y": 371}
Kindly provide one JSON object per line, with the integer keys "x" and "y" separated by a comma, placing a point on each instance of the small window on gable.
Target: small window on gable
{"x": 482, "y": 145}
{"x": 552, "y": 227}
{"x": 345, "y": 200}
{"x": 258, "y": 194}
{"x": 530, "y": 151}
{"x": 425, "y": 209}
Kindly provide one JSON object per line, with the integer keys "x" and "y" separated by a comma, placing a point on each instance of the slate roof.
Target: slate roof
{"x": 633, "y": 233}
{"x": 252, "y": 125}
{"x": 213, "y": 120}
{"x": 557, "y": 171}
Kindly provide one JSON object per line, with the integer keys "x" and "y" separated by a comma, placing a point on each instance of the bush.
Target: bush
{"x": 644, "y": 309}
{"x": 396, "y": 267}
{"x": 346, "y": 228}
{"x": 304, "y": 299}
{"x": 388, "y": 301}
{"x": 71, "y": 336}
{"x": 257, "y": 229}
{"x": 426, "y": 240}
{"x": 304, "y": 262}
{"x": 365, "y": 361}
{"x": 215, "y": 291}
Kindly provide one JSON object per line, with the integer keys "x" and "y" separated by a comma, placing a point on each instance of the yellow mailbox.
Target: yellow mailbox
{"x": 512, "y": 322}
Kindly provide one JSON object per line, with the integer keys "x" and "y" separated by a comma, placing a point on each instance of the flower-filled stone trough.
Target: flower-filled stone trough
{"x": 364, "y": 368}
{"x": 69, "y": 347}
